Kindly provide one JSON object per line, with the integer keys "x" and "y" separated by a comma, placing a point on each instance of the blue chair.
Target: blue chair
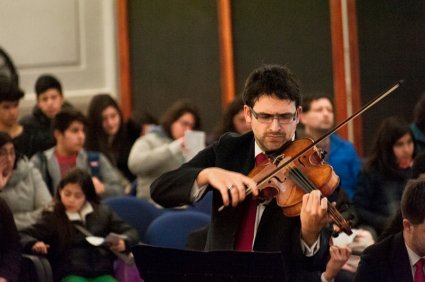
{"x": 138, "y": 213}
{"x": 205, "y": 204}
{"x": 172, "y": 229}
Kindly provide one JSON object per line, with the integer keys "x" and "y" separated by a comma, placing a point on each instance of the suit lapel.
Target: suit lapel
{"x": 227, "y": 221}
{"x": 248, "y": 162}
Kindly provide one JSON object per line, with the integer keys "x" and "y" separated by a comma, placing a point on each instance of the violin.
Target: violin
{"x": 289, "y": 182}
{"x": 300, "y": 169}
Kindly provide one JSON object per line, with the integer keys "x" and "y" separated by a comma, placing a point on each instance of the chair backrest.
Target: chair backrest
{"x": 138, "y": 213}
{"x": 172, "y": 228}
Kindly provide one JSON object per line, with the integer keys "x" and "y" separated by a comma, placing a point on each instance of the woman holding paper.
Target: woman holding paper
{"x": 162, "y": 149}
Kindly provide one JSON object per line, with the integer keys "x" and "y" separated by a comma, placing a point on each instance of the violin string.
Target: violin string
{"x": 297, "y": 176}
{"x": 304, "y": 183}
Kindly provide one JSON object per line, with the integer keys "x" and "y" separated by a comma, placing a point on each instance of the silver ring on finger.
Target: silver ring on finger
{"x": 230, "y": 187}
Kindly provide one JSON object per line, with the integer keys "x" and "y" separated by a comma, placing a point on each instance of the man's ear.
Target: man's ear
{"x": 407, "y": 225}
{"x": 301, "y": 115}
{"x": 247, "y": 114}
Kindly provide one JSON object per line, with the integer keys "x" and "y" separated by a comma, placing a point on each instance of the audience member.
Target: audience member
{"x": 10, "y": 95}
{"x": 418, "y": 124}
{"x": 161, "y": 150}
{"x": 233, "y": 120}
{"x": 109, "y": 134}
{"x": 62, "y": 231}
{"x": 384, "y": 174}
{"x": 400, "y": 256}
{"x": 318, "y": 118}
{"x": 50, "y": 101}
{"x": 145, "y": 120}
{"x": 10, "y": 249}
{"x": 69, "y": 131}
{"x": 396, "y": 223}
{"x": 272, "y": 99}
{"x": 21, "y": 185}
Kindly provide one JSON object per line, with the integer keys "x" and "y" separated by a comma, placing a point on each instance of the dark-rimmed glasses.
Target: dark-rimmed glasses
{"x": 268, "y": 118}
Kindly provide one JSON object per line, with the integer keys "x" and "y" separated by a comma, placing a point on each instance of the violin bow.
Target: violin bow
{"x": 363, "y": 109}
{"x": 366, "y": 107}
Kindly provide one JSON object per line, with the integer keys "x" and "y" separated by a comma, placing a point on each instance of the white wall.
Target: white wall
{"x": 74, "y": 40}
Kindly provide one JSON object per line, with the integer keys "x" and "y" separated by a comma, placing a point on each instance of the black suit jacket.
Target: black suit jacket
{"x": 276, "y": 232}
{"x": 385, "y": 261}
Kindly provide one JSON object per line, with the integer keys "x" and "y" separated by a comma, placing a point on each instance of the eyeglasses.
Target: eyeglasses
{"x": 267, "y": 118}
{"x": 185, "y": 123}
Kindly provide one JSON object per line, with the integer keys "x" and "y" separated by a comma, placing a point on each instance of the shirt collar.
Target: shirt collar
{"x": 413, "y": 257}
{"x": 80, "y": 216}
{"x": 257, "y": 150}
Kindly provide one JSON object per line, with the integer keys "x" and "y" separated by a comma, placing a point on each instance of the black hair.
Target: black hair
{"x": 46, "y": 82}
{"x": 6, "y": 138}
{"x": 272, "y": 80}
{"x": 64, "y": 225}
{"x": 382, "y": 155}
{"x": 64, "y": 118}
{"x": 97, "y": 139}
{"x": 9, "y": 90}
{"x": 84, "y": 180}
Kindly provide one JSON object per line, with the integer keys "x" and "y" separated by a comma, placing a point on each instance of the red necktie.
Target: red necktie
{"x": 247, "y": 227}
{"x": 419, "y": 272}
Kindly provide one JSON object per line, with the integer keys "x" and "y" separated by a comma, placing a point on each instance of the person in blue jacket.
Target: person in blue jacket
{"x": 318, "y": 118}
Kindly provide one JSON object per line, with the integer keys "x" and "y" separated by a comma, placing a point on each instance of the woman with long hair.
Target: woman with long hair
{"x": 109, "y": 134}
{"x": 382, "y": 179}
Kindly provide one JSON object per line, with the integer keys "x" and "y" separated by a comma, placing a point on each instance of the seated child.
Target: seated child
{"x": 60, "y": 232}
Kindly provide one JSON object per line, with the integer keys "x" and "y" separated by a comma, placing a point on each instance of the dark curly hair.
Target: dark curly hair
{"x": 272, "y": 80}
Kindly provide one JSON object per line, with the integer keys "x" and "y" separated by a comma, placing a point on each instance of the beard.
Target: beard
{"x": 271, "y": 142}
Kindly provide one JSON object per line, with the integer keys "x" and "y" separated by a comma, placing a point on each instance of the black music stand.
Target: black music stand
{"x": 165, "y": 264}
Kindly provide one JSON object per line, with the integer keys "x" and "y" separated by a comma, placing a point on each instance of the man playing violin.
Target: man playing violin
{"x": 272, "y": 101}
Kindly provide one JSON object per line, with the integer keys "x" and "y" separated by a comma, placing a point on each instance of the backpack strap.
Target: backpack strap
{"x": 44, "y": 170}
{"x": 93, "y": 162}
